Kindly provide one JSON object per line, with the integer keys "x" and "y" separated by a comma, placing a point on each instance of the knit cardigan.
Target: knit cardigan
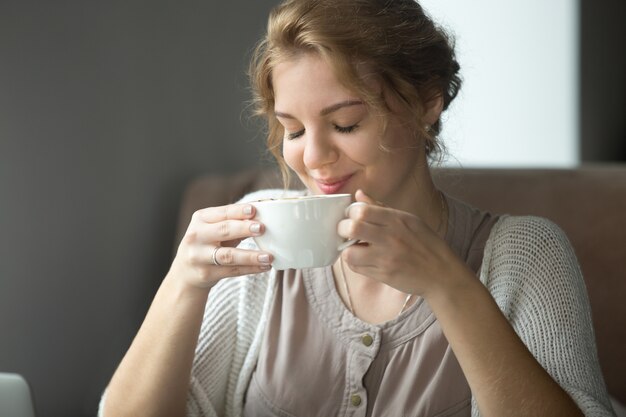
{"x": 528, "y": 266}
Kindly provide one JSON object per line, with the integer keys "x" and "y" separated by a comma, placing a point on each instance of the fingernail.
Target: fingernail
{"x": 247, "y": 210}
{"x": 265, "y": 267}
{"x": 264, "y": 258}
{"x": 255, "y": 227}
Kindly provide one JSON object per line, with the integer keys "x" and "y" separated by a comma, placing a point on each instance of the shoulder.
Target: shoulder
{"x": 537, "y": 226}
{"x": 527, "y": 236}
{"x": 529, "y": 254}
{"x": 529, "y": 257}
{"x": 528, "y": 241}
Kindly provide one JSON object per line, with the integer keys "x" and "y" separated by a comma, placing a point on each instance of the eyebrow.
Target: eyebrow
{"x": 325, "y": 111}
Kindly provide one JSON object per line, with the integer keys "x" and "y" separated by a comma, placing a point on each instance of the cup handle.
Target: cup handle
{"x": 350, "y": 242}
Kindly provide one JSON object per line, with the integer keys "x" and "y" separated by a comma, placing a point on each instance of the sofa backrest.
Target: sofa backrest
{"x": 588, "y": 203}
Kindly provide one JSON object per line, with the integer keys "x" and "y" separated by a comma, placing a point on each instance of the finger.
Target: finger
{"x": 229, "y": 230}
{"x": 360, "y": 258}
{"x": 228, "y": 212}
{"x": 370, "y": 213}
{"x": 228, "y": 257}
{"x": 362, "y": 231}
{"x": 349, "y": 210}
{"x": 238, "y": 257}
{"x": 361, "y": 196}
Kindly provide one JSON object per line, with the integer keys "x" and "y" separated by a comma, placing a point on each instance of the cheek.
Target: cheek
{"x": 292, "y": 155}
{"x": 364, "y": 151}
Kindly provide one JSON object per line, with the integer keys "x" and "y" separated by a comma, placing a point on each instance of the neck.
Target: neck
{"x": 433, "y": 210}
{"x": 419, "y": 196}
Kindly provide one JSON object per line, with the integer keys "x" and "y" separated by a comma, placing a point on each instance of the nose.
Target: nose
{"x": 319, "y": 150}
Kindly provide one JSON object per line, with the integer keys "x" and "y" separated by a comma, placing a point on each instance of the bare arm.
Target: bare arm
{"x": 153, "y": 377}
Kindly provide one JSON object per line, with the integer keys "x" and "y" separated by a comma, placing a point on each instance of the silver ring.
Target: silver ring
{"x": 215, "y": 261}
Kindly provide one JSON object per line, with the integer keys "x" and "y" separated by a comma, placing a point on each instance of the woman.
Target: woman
{"x": 440, "y": 310}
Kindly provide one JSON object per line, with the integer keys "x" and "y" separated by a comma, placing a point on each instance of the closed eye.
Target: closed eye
{"x": 340, "y": 129}
{"x": 346, "y": 129}
{"x": 295, "y": 135}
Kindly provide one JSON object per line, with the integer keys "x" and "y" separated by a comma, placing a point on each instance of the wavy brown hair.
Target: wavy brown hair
{"x": 393, "y": 40}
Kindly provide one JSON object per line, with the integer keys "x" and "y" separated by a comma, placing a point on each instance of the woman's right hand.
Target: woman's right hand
{"x": 219, "y": 229}
{"x": 153, "y": 377}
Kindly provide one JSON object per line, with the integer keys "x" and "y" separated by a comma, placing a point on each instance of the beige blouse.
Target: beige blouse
{"x": 318, "y": 359}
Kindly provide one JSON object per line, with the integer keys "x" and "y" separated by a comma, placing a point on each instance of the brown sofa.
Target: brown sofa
{"x": 589, "y": 203}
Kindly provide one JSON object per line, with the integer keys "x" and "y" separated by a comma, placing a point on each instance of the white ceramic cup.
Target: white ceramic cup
{"x": 301, "y": 232}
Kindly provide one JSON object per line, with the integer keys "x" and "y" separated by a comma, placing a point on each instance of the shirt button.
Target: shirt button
{"x": 367, "y": 340}
{"x": 355, "y": 400}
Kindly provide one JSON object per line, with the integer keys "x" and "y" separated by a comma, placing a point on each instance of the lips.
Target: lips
{"x": 332, "y": 185}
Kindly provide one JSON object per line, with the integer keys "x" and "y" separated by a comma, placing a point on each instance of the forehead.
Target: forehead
{"x": 307, "y": 77}
{"x": 310, "y": 68}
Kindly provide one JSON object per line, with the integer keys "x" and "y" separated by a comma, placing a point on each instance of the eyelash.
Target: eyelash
{"x": 295, "y": 135}
{"x": 340, "y": 129}
{"x": 347, "y": 129}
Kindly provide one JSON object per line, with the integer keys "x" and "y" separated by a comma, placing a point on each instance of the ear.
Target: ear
{"x": 433, "y": 110}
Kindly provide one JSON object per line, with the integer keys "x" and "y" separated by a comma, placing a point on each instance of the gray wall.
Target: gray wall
{"x": 106, "y": 110}
{"x": 603, "y": 76}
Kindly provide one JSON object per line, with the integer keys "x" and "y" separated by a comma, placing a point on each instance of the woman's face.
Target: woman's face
{"x": 332, "y": 141}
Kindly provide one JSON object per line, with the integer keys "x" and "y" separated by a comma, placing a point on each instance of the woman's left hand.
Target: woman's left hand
{"x": 398, "y": 249}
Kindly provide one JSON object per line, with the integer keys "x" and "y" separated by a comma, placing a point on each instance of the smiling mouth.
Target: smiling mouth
{"x": 332, "y": 186}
